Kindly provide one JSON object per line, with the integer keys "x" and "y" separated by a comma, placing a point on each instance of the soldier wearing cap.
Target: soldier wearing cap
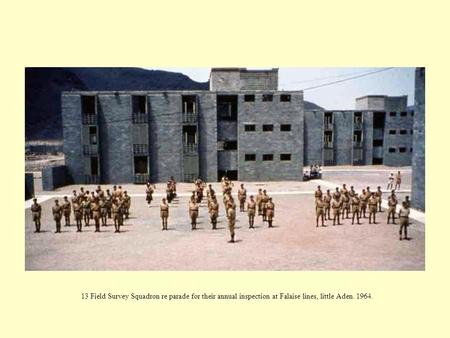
{"x": 164, "y": 212}
{"x": 36, "y": 210}
{"x": 57, "y": 215}
{"x": 67, "y": 208}
{"x": 251, "y": 211}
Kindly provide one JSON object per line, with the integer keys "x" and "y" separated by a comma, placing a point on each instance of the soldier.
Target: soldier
{"x": 66, "y": 211}
{"x": 258, "y": 201}
{"x": 82, "y": 193}
{"x": 345, "y": 204}
{"x": 392, "y": 206}
{"x": 164, "y": 212}
{"x": 344, "y": 189}
{"x": 86, "y": 205}
{"x": 74, "y": 198}
{"x": 364, "y": 198}
{"x": 318, "y": 192}
{"x": 403, "y": 214}
{"x": 336, "y": 205}
{"x": 352, "y": 192}
{"x": 242, "y": 196}
{"x": 108, "y": 202}
{"x": 103, "y": 210}
{"x": 115, "y": 214}
{"x": 264, "y": 201}
{"x": 36, "y": 210}
{"x": 57, "y": 215}
{"x": 120, "y": 191}
{"x": 379, "y": 197}
{"x": 114, "y": 193}
{"x": 193, "y": 213}
{"x": 95, "y": 208}
{"x": 92, "y": 198}
{"x": 326, "y": 205}
{"x": 126, "y": 204}
{"x": 373, "y": 204}
{"x": 390, "y": 184}
{"x": 319, "y": 210}
{"x": 231, "y": 215}
{"x": 270, "y": 212}
{"x": 213, "y": 211}
{"x": 169, "y": 192}
{"x": 337, "y": 194}
{"x": 78, "y": 214}
{"x": 355, "y": 208}
{"x": 408, "y": 202}
{"x": 251, "y": 210}
{"x": 120, "y": 211}
{"x": 149, "y": 193}
{"x": 398, "y": 181}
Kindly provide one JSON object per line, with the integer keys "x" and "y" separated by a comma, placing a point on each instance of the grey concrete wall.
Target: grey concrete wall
{"x": 227, "y": 130}
{"x": 368, "y": 137}
{"x": 370, "y": 103}
{"x": 275, "y": 142}
{"x": 54, "y": 177}
{"x": 259, "y": 80}
{"x": 227, "y": 160}
{"x": 343, "y": 137}
{"x": 418, "y": 163}
{"x": 29, "y": 186}
{"x": 72, "y": 146}
{"x": 224, "y": 80}
{"x": 207, "y": 147}
{"x": 313, "y": 137}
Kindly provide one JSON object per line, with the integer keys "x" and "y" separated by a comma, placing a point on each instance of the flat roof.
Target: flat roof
{"x": 219, "y": 92}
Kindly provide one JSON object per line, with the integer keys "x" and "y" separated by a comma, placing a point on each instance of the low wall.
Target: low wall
{"x": 54, "y": 177}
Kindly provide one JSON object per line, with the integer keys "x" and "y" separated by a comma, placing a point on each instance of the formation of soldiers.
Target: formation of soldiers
{"x": 97, "y": 206}
{"x": 345, "y": 202}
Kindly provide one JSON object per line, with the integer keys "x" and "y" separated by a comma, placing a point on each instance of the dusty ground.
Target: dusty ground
{"x": 294, "y": 244}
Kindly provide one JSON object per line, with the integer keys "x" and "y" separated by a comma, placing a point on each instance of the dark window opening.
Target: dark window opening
{"x": 402, "y": 150}
{"x": 410, "y": 150}
{"x": 392, "y": 150}
{"x": 377, "y": 143}
{"x": 93, "y": 135}
{"x": 357, "y": 118}
{"x": 267, "y": 97}
{"x": 328, "y": 139}
{"x": 403, "y": 132}
{"x": 328, "y": 120}
{"x": 378, "y": 120}
{"x": 140, "y": 165}
{"x": 377, "y": 160}
{"x": 250, "y": 157}
{"x": 403, "y": 113}
{"x": 227, "y": 106}
{"x": 250, "y": 127}
{"x": 411, "y": 131}
{"x": 285, "y": 127}
{"x": 267, "y": 157}
{"x": 189, "y": 104}
{"x": 189, "y": 135}
{"x": 139, "y": 104}
{"x": 249, "y": 98}
{"x": 412, "y": 112}
{"x": 285, "y": 98}
{"x": 230, "y": 145}
{"x": 94, "y": 166}
{"x": 357, "y": 137}
{"x": 88, "y": 105}
{"x": 231, "y": 174}
{"x": 267, "y": 127}
{"x": 392, "y": 132}
{"x": 392, "y": 114}
{"x": 285, "y": 157}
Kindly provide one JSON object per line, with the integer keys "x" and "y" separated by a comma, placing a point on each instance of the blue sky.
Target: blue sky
{"x": 393, "y": 82}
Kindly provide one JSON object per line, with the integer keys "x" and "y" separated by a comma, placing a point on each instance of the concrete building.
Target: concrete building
{"x": 243, "y": 127}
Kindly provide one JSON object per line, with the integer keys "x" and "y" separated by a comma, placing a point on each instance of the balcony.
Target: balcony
{"x": 90, "y": 149}
{"x": 190, "y": 148}
{"x": 328, "y": 145}
{"x": 328, "y": 125}
{"x": 89, "y": 119}
{"x": 357, "y": 125}
{"x": 141, "y": 178}
{"x": 357, "y": 144}
{"x": 140, "y": 118}
{"x": 140, "y": 149}
{"x": 91, "y": 179}
{"x": 189, "y": 117}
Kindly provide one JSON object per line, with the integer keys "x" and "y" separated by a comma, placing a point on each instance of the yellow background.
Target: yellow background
{"x": 226, "y": 33}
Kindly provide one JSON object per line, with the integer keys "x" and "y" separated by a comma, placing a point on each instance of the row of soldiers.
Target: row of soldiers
{"x": 97, "y": 206}
{"x": 343, "y": 202}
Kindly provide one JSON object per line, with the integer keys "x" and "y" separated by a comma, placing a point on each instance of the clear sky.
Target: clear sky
{"x": 393, "y": 82}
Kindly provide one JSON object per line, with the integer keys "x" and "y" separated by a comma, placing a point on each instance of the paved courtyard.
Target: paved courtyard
{"x": 293, "y": 244}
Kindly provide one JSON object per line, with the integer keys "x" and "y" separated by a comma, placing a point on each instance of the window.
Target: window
{"x": 230, "y": 145}
{"x": 267, "y": 97}
{"x": 267, "y": 157}
{"x": 403, "y": 114}
{"x": 250, "y": 157}
{"x": 189, "y": 135}
{"x": 267, "y": 127}
{"x": 139, "y": 104}
{"x": 249, "y": 98}
{"x": 285, "y": 98}
{"x": 411, "y": 131}
{"x": 88, "y": 104}
{"x": 402, "y": 150}
{"x": 377, "y": 143}
{"x": 392, "y": 150}
{"x": 189, "y": 105}
{"x": 328, "y": 120}
{"x": 285, "y": 127}
{"x": 392, "y": 132}
{"x": 392, "y": 114}
{"x": 410, "y": 150}
{"x": 403, "y": 132}
{"x": 249, "y": 127}
{"x": 285, "y": 157}
{"x": 227, "y": 107}
{"x": 140, "y": 165}
{"x": 93, "y": 135}
{"x": 357, "y": 118}
{"x": 412, "y": 112}
{"x": 94, "y": 166}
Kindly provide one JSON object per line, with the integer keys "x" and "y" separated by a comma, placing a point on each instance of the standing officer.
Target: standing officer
{"x": 326, "y": 205}
{"x": 390, "y": 184}
{"x": 115, "y": 214}
{"x": 337, "y": 194}
{"x": 319, "y": 210}
{"x": 398, "y": 181}
{"x": 78, "y": 214}
{"x": 74, "y": 198}
{"x": 318, "y": 192}
{"x": 103, "y": 210}
{"x": 193, "y": 213}
{"x": 86, "y": 205}
{"x": 355, "y": 208}
{"x": 213, "y": 210}
{"x": 36, "y": 210}
{"x": 120, "y": 211}
{"x": 126, "y": 204}
{"x": 242, "y": 196}
{"x": 364, "y": 198}
{"x": 336, "y": 205}
{"x": 408, "y": 202}
{"x": 251, "y": 211}
{"x": 403, "y": 214}
{"x": 109, "y": 199}
{"x": 164, "y": 212}
{"x": 231, "y": 215}
{"x": 57, "y": 215}
{"x": 373, "y": 204}
{"x": 270, "y": 212}
{"x": 392, "y": 206}
{"x": 66, "y": 211}
{"x": 95, "y": 208}
{"x": 379, "y": 197}
{"x": 264, "y": 201}
{"x": 258, "y": 201}
{"x": 352, "y": 192}
{"x": 149, "y": 193}
{"x": 345, "y": 204}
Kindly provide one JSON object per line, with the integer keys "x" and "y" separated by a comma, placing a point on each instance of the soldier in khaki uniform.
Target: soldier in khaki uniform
{"x": 398, "y": 181}
{"x": 336, "y": 205}
{"x": 36, "y": 211}
{"x": 251, "y": 211}
{"x": 318, "y": 193}
{"x": 95, "y": 207}
{"x": 337, "y": 194}
{"x": 373, "y": 205}
{"x": 392, "y": 207}
{"x": 78, "y": 214}
{"x": 408, "y": 202}
{"x": 352, "y": 192}
{"x": 264, "y": 201}
{"x": 57, "y": 215}
{"x": 164, "y": 212}
{"x": 67, "y": 208}
{"x": 270, "y": 212}
{"x": 355, "y": 208}
{"x": 74, "y": 199}
{"x": 403, "y": 215}
{"x": 379, "y": 197}
{"x": 86, "y": 205}
{"x": 103, "y": 210}
{"x": 364, "y": 198}
{"x": 149, "y": 190}
{"x": 319, "y": 210}
{"x": 115, "y": 214}
{"x": 258, "y": 201}
{"x": 326, "y": 205}
{"x": 193, "y": 213}
{"x": 108, "y": 201}
{"x": 231, "y": 215}
{"x": 242, "y": 196}
{"x": 126, "y": 204}
{"x": 345, "y": 204}
{"x": 120, "y": 211}
{"x": 213, "y": 211}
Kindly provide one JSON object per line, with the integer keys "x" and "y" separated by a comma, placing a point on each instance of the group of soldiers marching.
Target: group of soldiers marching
{"x": 97, "y": 205}
{"x": 343, "y": 202}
